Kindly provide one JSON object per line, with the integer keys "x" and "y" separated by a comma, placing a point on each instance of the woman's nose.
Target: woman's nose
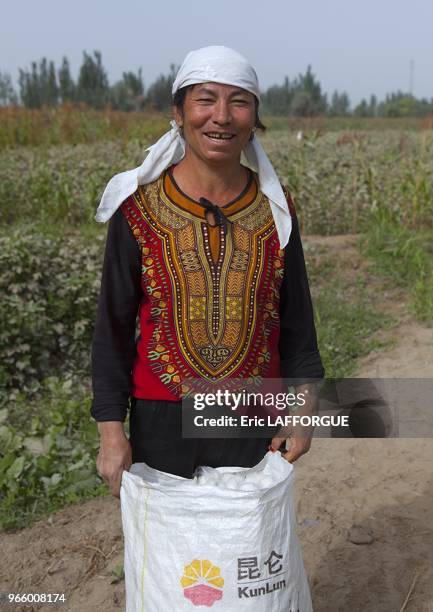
{"x": 221, "y": 114}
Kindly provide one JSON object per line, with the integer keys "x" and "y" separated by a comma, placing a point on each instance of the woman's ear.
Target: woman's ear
{"x": 177, "y": 116}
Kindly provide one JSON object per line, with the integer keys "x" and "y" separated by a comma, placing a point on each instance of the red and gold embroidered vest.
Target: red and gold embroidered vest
{"x": 210, "y": 308}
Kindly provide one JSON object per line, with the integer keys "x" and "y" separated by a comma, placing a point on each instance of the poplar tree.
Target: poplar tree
{"x": 159, "y": 93}
{"x": 372, "y": 107}
{"x": 28, "y": 81}
{"x": 52, "y": 88}
{"x": 308, "y": 99}
{"x": 128, "y": 93}
{"x": 361, "y": 110}
{"x": 278, "y": 98}
{"x": 66, "y": 84}
{"x": 38, "y": 86}
{"x": 92, "y": 86}
{"x": 8, "y": 96}
{"x": 340, "y": 104}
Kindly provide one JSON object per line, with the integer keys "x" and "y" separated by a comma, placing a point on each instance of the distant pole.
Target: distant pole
{"x": 411, "y": 71}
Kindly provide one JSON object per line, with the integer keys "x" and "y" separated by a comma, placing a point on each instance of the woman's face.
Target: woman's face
{"x": 217, "y": 121}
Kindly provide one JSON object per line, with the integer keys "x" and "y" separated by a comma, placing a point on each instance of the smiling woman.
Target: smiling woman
{"x": 207, "y": 252}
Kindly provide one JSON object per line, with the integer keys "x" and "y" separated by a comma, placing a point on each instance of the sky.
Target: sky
{"x": 361, "y": 47}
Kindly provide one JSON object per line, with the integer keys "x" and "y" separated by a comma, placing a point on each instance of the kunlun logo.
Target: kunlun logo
{"x": 202, "y": 583}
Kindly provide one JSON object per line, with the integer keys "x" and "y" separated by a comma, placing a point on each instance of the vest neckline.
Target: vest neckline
{"x": 177, "y": 197}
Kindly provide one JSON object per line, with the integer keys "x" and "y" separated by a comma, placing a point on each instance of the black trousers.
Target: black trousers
{"x": 156, "y": 439}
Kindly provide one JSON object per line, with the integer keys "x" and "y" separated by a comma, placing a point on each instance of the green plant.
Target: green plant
{"x": 48, "y": 450}
{"x": 49, "y": 290}
{"x": 404, "y": 256}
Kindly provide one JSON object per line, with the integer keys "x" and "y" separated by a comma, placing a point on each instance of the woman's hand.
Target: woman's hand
{"x": 299, "y": 445}
{"x": 114, "y": 454}
{"x": 299, "y": 436}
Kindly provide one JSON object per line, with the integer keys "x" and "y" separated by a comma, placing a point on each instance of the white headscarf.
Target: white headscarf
{"x": 215, "y": 64}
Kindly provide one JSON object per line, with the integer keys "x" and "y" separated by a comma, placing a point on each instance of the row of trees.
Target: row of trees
{"x": 44, "y": 85}
{"x": 303, "y": 97}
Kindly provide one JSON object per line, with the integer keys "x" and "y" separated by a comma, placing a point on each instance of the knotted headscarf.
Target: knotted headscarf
{"x": 215, "y": 64}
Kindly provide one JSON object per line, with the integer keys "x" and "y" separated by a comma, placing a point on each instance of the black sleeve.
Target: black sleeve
{"x": 299, "y": 354}
{"x": 113, "y": 345}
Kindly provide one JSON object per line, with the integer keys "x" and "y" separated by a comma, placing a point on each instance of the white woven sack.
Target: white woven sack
{"x": 225, "y": 540}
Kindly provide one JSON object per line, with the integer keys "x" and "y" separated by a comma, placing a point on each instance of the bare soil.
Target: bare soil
{"x": 346, "y": 489}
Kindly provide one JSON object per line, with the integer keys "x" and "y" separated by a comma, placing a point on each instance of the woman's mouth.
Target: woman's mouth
{"x": 219, "y": 136}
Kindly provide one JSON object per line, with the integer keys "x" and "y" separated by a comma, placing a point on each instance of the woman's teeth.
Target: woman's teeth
{"x": 217, "y": 136}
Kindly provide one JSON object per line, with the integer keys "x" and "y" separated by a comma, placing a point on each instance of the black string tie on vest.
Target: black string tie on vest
{"x": 220, "y": 218}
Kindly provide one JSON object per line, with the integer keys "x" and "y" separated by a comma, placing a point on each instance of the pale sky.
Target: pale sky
{"x": 361, "y": 47}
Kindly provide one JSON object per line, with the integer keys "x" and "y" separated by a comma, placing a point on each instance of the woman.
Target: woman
{"x": 208, "y": 252}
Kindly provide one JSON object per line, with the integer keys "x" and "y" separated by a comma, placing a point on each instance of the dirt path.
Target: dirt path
{"x": 411, "y": 357}
{"x": 383, "y": 486}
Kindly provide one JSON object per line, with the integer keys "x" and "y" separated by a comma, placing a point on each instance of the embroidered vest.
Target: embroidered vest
{"x": 210, "y": 308}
